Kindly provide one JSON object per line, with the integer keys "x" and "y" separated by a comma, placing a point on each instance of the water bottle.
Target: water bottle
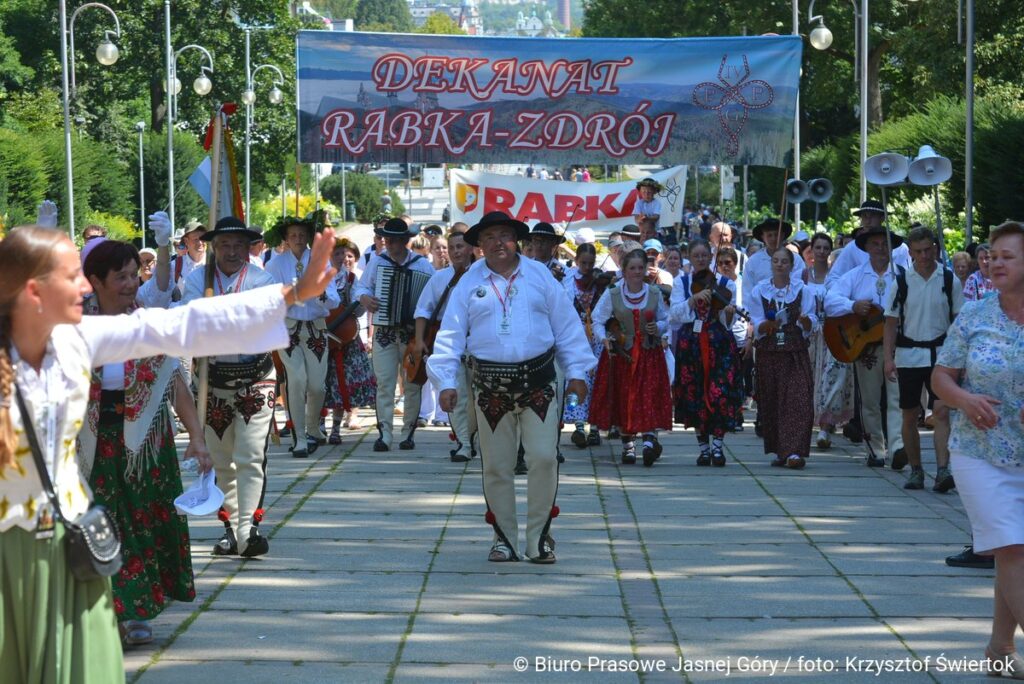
{"x": 572, "y": 400}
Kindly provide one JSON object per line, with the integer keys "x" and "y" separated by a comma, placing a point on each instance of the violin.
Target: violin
{"x": 721, "y": 296}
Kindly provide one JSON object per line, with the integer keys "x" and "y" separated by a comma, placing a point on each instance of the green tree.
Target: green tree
{"x": 442, "y": 24}
{"x": 384, "y": 15}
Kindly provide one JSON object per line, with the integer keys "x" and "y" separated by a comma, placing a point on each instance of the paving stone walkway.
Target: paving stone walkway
{"x": 377, "y": 572}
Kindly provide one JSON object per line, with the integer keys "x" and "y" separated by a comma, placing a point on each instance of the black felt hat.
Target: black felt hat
{"x": 395, "y": 228}
{"x": 862, "y": 239}
{"x": 785, "y": 229}
{"x": 870, "y": 206}
{"x": 231, "y": 225}
{"x": 496, "y": 218}
{"x": 546, "y": 230}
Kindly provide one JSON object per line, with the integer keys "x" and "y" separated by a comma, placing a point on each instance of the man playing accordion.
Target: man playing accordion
{"x": 389, "y": 289}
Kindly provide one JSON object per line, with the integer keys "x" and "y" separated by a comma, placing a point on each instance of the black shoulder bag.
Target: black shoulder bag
{"x": 93, "y": 549}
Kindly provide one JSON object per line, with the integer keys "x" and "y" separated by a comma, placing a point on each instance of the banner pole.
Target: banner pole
{"x": 204, "y": 363}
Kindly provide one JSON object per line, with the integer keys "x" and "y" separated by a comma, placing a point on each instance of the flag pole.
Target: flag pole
{"x": 204, "y": 363}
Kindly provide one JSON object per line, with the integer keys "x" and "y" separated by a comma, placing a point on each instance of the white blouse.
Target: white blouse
{"x": 56, "y": 395}
{"x": 784, "y": 296}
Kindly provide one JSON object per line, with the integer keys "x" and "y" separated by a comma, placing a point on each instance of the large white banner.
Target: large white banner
{"x": 600, "y": 206}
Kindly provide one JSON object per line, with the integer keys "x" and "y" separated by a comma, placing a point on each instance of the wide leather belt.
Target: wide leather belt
{"x": 513, "y": 378}
{"x": 235, "y": 376}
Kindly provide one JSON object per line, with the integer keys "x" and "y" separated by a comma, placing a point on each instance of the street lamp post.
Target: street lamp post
{"x": 249, "y": 99}
{"x": 140, "y": 128}
{"x": 107, "y": 54}
{"x": 796, "y": 122}
{"x": 969, "y": 133}
{"x": 821, "y": 39}
{"x": 202, "y": 85}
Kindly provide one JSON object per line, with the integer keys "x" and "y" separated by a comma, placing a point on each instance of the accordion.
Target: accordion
{"x": 398, "y": 290}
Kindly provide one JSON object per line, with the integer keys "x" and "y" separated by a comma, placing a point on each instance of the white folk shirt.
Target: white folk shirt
{"x": 243, "y": 280}
{"x": 57, "y": 395}
{"x": 860, "y": 283}
{"x": 925, "y": 314}
{"x": 539, "y": 316}
{"x": 368, "y": 281}
{"x": 285, "y": 268}
{"x": 759, "y": 268}
{"x": 432, "y": 293}
{"x": 187, "y": 266}
{"x": 851, "y": 256}
{"x": 783, "y": 297}
{"x": 603, "y": 311}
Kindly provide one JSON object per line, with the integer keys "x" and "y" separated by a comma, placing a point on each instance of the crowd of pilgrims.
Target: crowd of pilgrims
{"x": 684, "y": 335}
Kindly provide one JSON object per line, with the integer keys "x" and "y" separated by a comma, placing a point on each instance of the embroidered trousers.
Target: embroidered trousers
{"x": 237, "y": 434}
{"x": 502, "y": 421}
{"x": 388, "y": 347}
{"x": 871, "y": 379}
{"x": 305, "y": 367}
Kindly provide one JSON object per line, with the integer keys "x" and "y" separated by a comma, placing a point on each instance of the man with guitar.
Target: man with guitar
{"x": 858, "y": 299}
{"x": 389, "y": 341}
{"x": 429, "y": 313}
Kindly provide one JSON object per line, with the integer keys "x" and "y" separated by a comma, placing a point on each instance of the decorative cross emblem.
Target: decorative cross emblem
{"x": 753, "y": 94}
{"x": 670, "y": 191}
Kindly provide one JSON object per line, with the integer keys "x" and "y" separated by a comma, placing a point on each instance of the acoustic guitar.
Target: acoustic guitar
{"x": 847, "y": 336}
{"x": 414, "y": 365}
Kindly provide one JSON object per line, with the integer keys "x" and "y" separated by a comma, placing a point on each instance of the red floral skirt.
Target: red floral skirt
{"x": 708, "y": 388}
{"x": 633, "y": 399}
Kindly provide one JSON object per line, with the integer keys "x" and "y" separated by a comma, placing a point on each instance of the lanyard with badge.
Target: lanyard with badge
{"x": 505, "y": 324}
{"x": 781, "y": 314}
{"x": 238, "y": 283}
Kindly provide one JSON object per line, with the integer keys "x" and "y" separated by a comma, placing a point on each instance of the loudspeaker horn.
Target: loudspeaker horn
{"x": 930, "y": 168}
{"x": 796, "y": 191}
{"x": 820, "y": 189}
{"x": 887, "y": 168}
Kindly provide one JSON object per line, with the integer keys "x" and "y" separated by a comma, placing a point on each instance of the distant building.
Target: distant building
{"x": 533, "y": 26}
{"x": 464, "y": 14}
{"x": 564, "y": 16}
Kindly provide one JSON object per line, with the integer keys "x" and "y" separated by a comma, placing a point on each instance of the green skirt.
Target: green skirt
{"x": 53, "y": 628}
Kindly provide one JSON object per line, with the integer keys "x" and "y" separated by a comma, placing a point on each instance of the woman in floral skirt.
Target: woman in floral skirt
{"x": 356, "y": 386}
{"x": 584, "y": 290}
{"x": 127, "y": 451}
{"x": 708, "y": 390}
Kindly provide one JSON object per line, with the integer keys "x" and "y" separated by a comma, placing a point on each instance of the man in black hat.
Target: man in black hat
{"x": 511, "y": 319}
{"x": 305, "y": 358}
{"x": 773, "y": 233}
{"x": 240, "y": 403}
{"x": 865, "y": 291}
{"x": 872, "y": 216}
{"x": 545, "y": 240}
{"x": 389, "y": 341}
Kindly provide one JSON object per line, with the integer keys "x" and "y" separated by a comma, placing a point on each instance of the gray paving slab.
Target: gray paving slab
{"x": 754, "y": 597}
{"x": 291, "y": 636}
{"x": 346, "y": 554}
{"x": 765, "y": 560}
{"x": 873, "y": 531}
{"x": 739, "y": 529}
{"x": 882, "y": 508}
{"x": 332, "y": 592}
{"x": 960, "y": 596}
{"x": 298, "y": 671}
{"x": 892, "y": 559}
{"x": 484, "y": 638}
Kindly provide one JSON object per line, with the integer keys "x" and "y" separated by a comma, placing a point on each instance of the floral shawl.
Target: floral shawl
{"x": 148, "y": 392}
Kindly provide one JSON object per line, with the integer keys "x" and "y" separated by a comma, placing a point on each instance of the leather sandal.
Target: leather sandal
{"x": 501, "y": 553}
{"x": 547, "y": 552}
{"x": 795, "y": 462}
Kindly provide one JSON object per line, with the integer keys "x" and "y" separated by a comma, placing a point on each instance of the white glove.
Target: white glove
{"x": 46, "y": 216}
{"x": 160, "y": 224}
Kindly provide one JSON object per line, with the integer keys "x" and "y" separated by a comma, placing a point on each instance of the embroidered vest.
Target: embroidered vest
{"x": 624, "y": 315}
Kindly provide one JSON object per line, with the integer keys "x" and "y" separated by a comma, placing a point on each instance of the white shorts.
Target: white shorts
{"x": 994, "y": 499}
